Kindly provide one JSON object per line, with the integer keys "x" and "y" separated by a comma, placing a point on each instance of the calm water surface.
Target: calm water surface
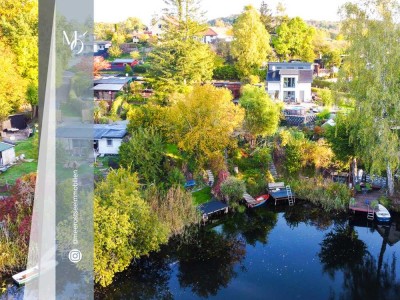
{"x": 271, "y": 253}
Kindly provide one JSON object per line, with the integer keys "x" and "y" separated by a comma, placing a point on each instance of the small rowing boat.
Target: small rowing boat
{"x": 260, "y": 201}
{"x": 26, "y": 276}
{"x": 382, "y": 214}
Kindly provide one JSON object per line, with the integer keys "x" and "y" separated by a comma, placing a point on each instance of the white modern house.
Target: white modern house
{"x": 106, "y": 138}
{"x": 7, "y": 154}
{"x": 290, "y": 81}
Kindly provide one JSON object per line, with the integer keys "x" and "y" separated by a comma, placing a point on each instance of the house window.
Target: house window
{"x": 109, "y": 143}
{"x": 289, "y": 82}
{"x": 289, "y": 96}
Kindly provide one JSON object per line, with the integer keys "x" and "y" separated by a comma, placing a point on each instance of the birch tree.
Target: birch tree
{"x": 372, "y": 76}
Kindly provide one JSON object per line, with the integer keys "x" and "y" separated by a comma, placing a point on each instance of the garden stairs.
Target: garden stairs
{"x": 210, "y": 177}
{"x": 272, "y": 169}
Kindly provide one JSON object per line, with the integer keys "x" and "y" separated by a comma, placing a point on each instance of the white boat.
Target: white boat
{"x": 26, "y": 276}
{"x": 382, "y": 214}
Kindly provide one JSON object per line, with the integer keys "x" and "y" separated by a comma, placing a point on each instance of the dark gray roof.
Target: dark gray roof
{"x": 108, "y": 87}
{"x": 95, "y": 131}
{"x": 305, "y": 76}
{"x": 5, "y": 146}
{"x": 286, "y": 65}
{"x": 112, "y": 80}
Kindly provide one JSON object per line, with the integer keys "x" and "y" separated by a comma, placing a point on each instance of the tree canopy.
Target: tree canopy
{"x": 144, "y": 153}
{"x": 262, "y": 114}
{"x": 203, "y": 120}
{"x": 371, "y": 75}
{"x": 124, "y": 225}
{"x": 251, "y": 45}
{"x": 294, "y": 40}
{"x": 179, "y": 58}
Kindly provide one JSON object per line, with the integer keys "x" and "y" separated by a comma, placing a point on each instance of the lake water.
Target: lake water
{"x": 271, "y": 253}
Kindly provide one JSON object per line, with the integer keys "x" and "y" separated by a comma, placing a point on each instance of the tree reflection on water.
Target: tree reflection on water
{"x": 208, "y": 260}
{"x": 364, "y": 276}
{"x": 148, "y": 278}
{"x": 253, "y": 225}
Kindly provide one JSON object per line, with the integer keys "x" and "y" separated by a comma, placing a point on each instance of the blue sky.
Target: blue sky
{"x": 119, "y": 10}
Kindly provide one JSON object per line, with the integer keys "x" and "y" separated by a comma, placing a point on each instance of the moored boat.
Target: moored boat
{"x": 26, "y": 276}
{"x": 382, "y": 214}
{"x": 260, "y": 201}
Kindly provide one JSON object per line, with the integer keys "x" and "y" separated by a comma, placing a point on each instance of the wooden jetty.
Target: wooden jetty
{"x": 279, "y": 191}
{"x": 213, "y": 207}
{"x": 362, "y": 202}
{"x": 249, "y": 199}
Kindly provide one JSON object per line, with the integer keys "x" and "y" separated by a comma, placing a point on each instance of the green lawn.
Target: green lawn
{"x": 12, "y": 174}
{"x": 172, "y": 150}
{"x": 15, "y": 172}
{"x": 26, "y": 147}
{"x": 202, "y": 196}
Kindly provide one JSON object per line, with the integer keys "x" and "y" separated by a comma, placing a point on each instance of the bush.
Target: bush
{"x": 139, "y": 69}
{"x": 113, "y": 162}
{"x": 293, "y": 158}
{"x": 324, "y": 115}
{"x": 233, "y": 189}
{"x": 226, "y": 72}
{"x": 255, "y": 182}
{"x": 331, "y": 196}
{"x": 322, "y": 84}
{"x": 175, "y": 177}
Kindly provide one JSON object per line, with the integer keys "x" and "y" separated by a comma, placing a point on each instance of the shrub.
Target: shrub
{"x": 226, "y": 72}
{"x": 139, "y": 69}
{"x": 175, "y": 176}
{"x": 233, "y": 189}
{"x": 331, "y": 196}
{"x": 293, "y": 158}
{"x": 255, "y": 182}
{"x": 324, "y": 114}
{"x": 322, "y": 84}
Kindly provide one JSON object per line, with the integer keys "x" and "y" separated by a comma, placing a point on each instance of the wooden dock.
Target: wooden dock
{"x": 363, "y": 203}
{"x": 279, "y": 191}
{"x": 213, "y": 207}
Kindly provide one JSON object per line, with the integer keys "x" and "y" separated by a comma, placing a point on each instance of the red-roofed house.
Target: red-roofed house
{"x": 209, "y": 36}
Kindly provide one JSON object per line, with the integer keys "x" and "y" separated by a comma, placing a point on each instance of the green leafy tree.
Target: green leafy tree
{"x": 338, "y": 137}
{"x": 180, "y": 59}
{"x": 262, "y": 114}
{"x": 372, "y": 65}
{"x": 114, "y": 51}
{"x": 233, "y": 190}
{"x": 332, "y": 59}
{"x": 266, "y": 17}
{"x": 19, "y": 30}
{"x": 144, "y": 153}
{"x": 251, "y": 45}
{"x": 134, "y": 54}
{"x": 12, "y": 87}
{"x": 202, "y": 121}
{"x": 294, "y": 40}
{"x": 124, "y": 226}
